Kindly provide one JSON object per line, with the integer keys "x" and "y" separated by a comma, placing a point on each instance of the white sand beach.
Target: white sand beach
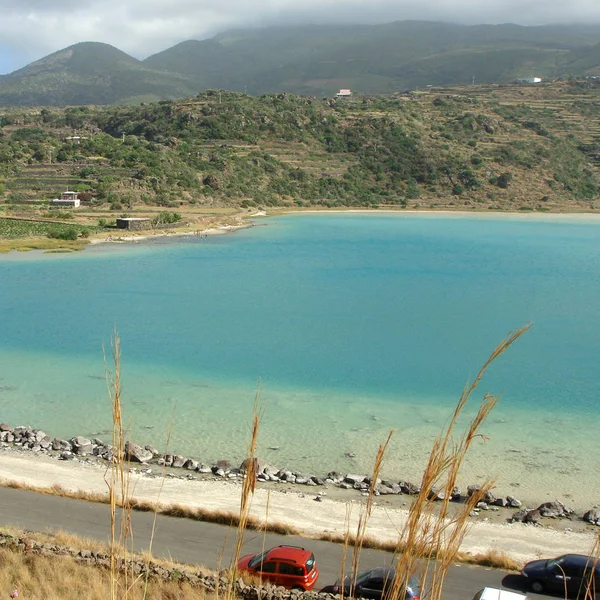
{"x": 297, "y": 508}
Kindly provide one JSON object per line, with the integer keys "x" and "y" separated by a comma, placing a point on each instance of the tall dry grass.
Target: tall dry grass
{"x": 591, "y": 581}
{"x": 365, "y": 514}
{"x": 63, "y": 578}
{"x": 434, "y": 533}
{"x": 118, "y": 482}
{"x": 247, "y": 493}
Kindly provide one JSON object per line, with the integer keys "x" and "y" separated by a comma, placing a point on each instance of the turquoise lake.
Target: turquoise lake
{"x": 354, "y": 324}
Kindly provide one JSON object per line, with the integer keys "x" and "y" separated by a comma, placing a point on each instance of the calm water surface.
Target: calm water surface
{"x": 353, "y": 323}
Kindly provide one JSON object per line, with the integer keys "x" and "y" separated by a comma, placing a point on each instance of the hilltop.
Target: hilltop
{"x": 308, "y": 60}
{"x": 528, "y": 148}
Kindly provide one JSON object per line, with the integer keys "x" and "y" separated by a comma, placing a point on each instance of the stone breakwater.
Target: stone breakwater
{"x": 86, "y": 450}
{"x": 24, "y": 544}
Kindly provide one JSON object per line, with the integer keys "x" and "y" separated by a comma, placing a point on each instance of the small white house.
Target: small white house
{"x": 344, "y": 94}
{"x": 70, "y": 199}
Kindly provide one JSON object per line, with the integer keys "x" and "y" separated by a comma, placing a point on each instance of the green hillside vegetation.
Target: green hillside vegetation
{"x": 309, "y": 60}
{"x": 476, "y": 148}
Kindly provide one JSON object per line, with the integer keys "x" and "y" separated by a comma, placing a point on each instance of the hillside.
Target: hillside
{"x": 89, "y": 73}
{"x": 308, "y": 60}
{"x": 481, "y": 147}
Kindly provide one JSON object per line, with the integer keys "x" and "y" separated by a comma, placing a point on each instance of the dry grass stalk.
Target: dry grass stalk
{"x": 157, "y": 502}
{"x": 430, "y": 533}
{"x": 118, "y": 483}
{"x": 589, "y": 584}
{"x": 346, "y": 542}
{"x": 363, "y": 518}
{"x": 248, "y": 488}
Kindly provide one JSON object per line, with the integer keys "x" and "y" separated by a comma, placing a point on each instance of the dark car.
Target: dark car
{"x": 375, "y": 584}
{"x": 289, "y": 566}
{"x": 568, "y": 575}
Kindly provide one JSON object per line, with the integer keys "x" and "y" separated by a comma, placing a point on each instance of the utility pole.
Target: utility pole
{"x": 473, "y": 80}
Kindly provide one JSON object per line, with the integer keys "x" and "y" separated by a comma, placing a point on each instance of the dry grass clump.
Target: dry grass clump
{"x": 495, "y": 559}
{"x": 63, "y": 578}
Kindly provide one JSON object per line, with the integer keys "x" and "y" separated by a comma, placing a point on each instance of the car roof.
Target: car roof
{"x": 293, "y": 554}
{"x": 381, "y": 572}
{"x": 489, "y": 593}
{"x": 580, "y": 559}
{"x": 388, "y": 573}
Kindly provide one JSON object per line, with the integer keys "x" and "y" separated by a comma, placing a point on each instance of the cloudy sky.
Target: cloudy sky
{"x": 31, "y": 29}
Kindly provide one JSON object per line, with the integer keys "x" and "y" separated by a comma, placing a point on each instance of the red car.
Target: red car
{"x": 289, "y": 566}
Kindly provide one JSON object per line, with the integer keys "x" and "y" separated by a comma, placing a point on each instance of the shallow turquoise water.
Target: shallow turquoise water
{"x": 353, "y": 323}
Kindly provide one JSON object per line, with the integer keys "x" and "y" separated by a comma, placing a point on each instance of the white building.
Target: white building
{"x": 529, "y": 80}
{"x": 344, "y": 94}
{"x": 70, "y": 199}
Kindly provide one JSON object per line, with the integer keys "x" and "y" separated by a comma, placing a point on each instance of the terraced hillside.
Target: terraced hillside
{"x": 509, "y": 147}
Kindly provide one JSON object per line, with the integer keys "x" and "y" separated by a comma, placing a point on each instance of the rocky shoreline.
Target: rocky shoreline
{"x": 143, "y": 459}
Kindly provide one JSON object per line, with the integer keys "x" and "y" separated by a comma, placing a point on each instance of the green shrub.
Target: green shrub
{"x": 62, "y": 233}
{"x": 504, "y": 179}
{"x": 166, "y": 218}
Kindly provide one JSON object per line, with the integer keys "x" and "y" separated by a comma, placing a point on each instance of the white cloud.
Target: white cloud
{"x": 30, "y": 29}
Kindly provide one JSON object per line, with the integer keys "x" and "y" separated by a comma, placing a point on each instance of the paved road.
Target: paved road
{"x": 194, "y": 542}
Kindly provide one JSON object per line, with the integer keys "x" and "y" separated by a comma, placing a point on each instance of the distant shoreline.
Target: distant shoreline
{"x": 524, "y": 215}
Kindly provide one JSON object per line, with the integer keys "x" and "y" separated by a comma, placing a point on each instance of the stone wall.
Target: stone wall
{"x": 139, "y": 567}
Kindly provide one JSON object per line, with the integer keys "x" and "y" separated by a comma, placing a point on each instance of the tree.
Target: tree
{"x": 504, "y": 180}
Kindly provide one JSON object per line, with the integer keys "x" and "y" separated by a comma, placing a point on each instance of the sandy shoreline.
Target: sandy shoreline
{"x": 294, "y": 507}
{"x": 575, "y": 217}
{"x": 145, "y": 235}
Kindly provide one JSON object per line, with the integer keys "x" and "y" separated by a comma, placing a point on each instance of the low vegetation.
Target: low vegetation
{"x": 493, "y": 147}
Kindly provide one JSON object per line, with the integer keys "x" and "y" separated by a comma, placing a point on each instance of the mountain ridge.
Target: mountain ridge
{"x": 308, "y": 60}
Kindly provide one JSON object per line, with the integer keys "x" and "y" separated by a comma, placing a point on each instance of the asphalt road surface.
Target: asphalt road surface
{"x": 198, "y": 543}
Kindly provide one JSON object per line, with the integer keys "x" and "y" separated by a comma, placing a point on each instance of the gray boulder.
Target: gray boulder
{"x": 82, "y": 446}
{"x": 39, "y": 435}
{"x": 136, "y": 453}
{"x": 409, "y": 488}
{"x": 5, "y": 427}
{"x": 178, "y": 460}
{"x": 58, "y": 444}
{"x": 592, "y": 516}
{"x": 533, "y": 517}
{"x": 152, "y": 449}
{"x": 520, "y": 515}
{"x": 354, "y": 479}
{"x": 513, "y": 502}
{"x": 554, "y": 510}
{"x": 46, "y": 442}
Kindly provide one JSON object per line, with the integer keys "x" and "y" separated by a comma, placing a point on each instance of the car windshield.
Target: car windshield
{"x": 258, "y": 558}
{"x": 362, "y": 577}
{"x": 556, "y": 562}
